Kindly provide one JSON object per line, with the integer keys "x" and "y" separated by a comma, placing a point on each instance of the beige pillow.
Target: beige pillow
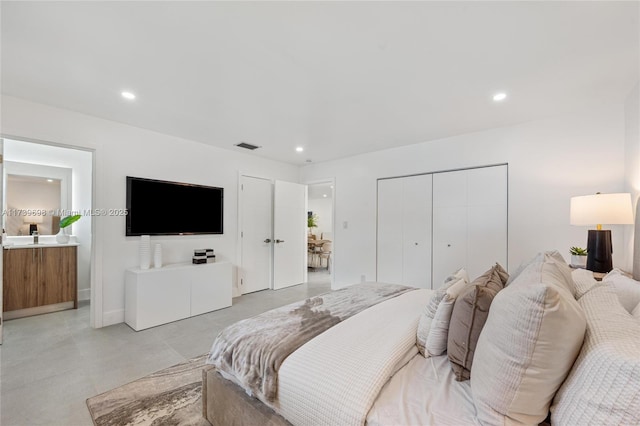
{"x": 436, "y": 343}
{"x": 469, "y": 314}
{"x": 603, "y": 386}
{"x": 583, "y": 282}
{"x": 539, "y": 259}
{"x": 429, "y": 312}
{"x": 636, "y": 312}
{"x": 532, "y": 336}
{"x": 627, "y": 289}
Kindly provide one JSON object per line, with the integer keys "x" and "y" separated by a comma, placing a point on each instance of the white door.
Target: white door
{"x": 390, "y": 240}
{"x": 416, "y": 233}
{"x": 469, "y": 221}
{"x": 290, "y": 236}
{"x": 256, "y": 234}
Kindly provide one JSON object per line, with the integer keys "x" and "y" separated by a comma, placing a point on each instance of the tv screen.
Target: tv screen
{"x": 158, "y": 207}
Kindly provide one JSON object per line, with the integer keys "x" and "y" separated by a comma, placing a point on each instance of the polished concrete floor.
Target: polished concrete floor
{"x": 50, "y": 364}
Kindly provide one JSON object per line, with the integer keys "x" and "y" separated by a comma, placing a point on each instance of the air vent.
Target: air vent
{"x": 247, "y": 146}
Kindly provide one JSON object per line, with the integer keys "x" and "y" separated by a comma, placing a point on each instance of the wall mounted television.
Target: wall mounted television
{"x": 156, "y": 207}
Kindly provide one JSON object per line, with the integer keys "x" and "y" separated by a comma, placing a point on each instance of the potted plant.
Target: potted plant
{"x": 578, "y": 257}
{"x": 62, "y": 237}
{"x": 312, "y": 222}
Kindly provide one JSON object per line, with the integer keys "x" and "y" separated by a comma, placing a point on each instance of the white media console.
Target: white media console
{"x": 173, "y": 292}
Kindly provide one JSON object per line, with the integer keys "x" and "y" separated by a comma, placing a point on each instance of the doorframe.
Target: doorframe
{"x": 95, "y": 262}
{"x": 332, "y": 181}
{"x": 236, "y": 290}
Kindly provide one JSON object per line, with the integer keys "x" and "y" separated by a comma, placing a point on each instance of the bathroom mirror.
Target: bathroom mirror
{"x": 36, "y": 198}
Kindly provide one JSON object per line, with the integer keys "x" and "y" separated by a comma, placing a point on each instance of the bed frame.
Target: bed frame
{"x": 226, "y": 404}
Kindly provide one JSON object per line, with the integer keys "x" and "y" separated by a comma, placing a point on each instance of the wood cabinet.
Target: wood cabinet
{"x": 39, "y": 276}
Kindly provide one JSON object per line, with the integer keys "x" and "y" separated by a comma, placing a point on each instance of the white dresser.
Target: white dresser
{"x": 174, "y": 292}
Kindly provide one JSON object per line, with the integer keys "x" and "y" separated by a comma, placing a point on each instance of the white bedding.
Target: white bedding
{"x": 335, "y": 378}
{"x": 422, "y": 393}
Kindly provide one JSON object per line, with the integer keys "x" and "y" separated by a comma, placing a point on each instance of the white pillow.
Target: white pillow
{"x": 636, "y": 312}
{"x": 436, "y": 343}
{"x": 583, "y": 281}
{"x": 532, "y": 336}
{"x": 603, "y": 387}
{"x": 427, "y": 316}
{"x": 627, "y": 289}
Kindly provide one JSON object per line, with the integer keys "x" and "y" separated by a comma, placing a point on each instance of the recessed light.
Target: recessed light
{"x": 324, "y": 195}
{"x": 499, "y": 97}
{"x": 128, "y": 95}
{"x": 299, "y": 149}
{"x": 331, "y": 186}
{"x": 49, "y": 180}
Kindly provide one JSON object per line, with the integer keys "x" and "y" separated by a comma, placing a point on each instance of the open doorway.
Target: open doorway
{"x": 320, "y": 222}
{"x": 49, "y": 182}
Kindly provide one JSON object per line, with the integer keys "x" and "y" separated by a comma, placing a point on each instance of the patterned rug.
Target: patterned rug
{"x": 167, "y": 397}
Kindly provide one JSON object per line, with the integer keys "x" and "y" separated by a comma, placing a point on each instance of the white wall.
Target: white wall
{"x": 80, "y": 163}
{"x": 322, "y": 207}
{"x": 632, "y": 160}
{"x": 549, "y": 162}
{"x": 122, "y": 150}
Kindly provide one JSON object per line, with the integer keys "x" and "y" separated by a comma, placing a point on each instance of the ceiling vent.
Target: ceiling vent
{"x": 247, "y": 146}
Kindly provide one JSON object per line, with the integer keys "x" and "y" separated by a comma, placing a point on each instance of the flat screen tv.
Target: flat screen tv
{"x": 156, "y": 207}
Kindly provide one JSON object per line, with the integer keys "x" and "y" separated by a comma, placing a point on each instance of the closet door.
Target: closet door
{"x": 449, "y": 224}
{"x": 486, "y": 219}
{"x": 469, "y": 221}
{"x": 390, "y": 231}
{"x": 416, "y": 233}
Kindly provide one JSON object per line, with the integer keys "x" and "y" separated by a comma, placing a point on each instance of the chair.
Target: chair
{"x": 325, "y": 253}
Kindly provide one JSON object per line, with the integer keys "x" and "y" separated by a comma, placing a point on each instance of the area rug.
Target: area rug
{"x": 172, "y": 396}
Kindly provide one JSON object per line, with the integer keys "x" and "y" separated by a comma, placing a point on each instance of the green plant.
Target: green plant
{"x": 312, "y": 221}
{"x": 577, "y": 251}
{"x": 68, "y": 220}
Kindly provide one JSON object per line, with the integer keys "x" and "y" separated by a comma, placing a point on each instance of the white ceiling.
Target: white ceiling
{"x": 338, "y": 78}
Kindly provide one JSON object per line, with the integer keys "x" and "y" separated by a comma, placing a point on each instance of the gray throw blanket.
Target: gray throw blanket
{"x": 252, "y": 350}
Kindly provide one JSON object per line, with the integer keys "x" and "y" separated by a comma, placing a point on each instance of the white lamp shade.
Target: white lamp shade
{"x": 33, "y": 219}
{"x": 598, "y": 209}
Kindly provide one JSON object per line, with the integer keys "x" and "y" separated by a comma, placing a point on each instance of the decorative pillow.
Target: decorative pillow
{"x": 469, "y": 314}
{"x": 538, "y": 258}
{"x": 627, "y": 289}
{"x": 603, "y": 387}
{"x": 636, "y": 312}
{"x": 583, "y": 282}
{"x": 527, "y": 347}
{"x": 426, "y": 318}
{"x": 436, "y": 343}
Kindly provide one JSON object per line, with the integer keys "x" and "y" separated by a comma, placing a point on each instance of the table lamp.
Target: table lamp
{"x": 598, "y": 209}
{"x": 33, "y": 222}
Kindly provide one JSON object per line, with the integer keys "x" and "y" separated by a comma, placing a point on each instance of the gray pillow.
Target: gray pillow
{"x": 470, "y": 312}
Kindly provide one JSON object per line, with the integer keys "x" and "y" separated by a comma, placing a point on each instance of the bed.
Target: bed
{"x": 359, "y": 364}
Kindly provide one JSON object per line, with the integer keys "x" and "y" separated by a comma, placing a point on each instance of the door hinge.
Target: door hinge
{"x": 242, "y": 187}
{"x": 241, "y": 281}
{"x": 241, "y": 234}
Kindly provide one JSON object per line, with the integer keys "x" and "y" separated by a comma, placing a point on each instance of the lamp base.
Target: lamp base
{"x": 599, "y": 251}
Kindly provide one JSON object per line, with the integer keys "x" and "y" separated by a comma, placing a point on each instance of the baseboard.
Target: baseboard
{"x": 112, "y": 317}
{"x": 84, "y": 294}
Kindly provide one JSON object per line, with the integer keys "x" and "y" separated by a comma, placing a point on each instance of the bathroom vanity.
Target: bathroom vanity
{"x": 39, "y": 278}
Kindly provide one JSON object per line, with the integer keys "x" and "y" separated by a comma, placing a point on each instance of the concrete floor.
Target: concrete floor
{"x": 50, "y": 364}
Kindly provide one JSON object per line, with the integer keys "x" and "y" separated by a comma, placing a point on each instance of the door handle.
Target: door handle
{"x": 268, "y": 240}
{"x": 279, "y": 241}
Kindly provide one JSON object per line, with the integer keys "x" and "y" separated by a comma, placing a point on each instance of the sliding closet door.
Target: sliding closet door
{"x": 416, "y": 235}
{"x": 390, "y": 238}
{"x": 469, "y": 221}
{"x": 404, "y": 231}
{"x": 449, "y": 224}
